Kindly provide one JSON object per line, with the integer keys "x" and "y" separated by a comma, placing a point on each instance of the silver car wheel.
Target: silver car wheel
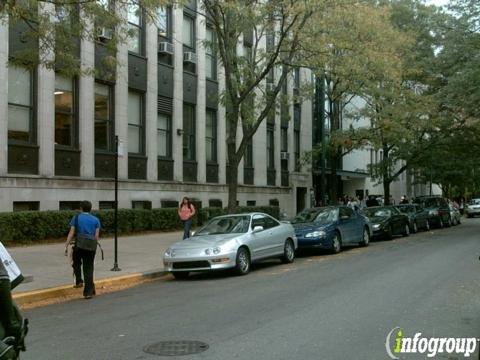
{"x": 243, "y": 262}
{"x": 288, "y": 252}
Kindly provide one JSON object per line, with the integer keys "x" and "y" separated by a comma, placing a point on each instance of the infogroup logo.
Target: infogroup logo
{"x": 397, "y": 344}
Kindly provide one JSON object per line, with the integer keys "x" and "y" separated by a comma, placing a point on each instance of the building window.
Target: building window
{"x": 215, "y": 203}
{"x": 135, "y": 28}
{"x": 26, "y": 205}
{"x": 284, "y": 136}
{"x": 64, "y": 111}
{"x": 210, "y": 56}
{"x": 169, "y": 203}
{"x": 188, "y": 132}
{"x": 164, "y": 135}
{"x": 144, "y": 205}
{"x": 296, "y": 145}
{"x": 164, "y": 20}
{"x": 188, "y": 32}
{"x": 251, "y": 203}
{"x": 248, "y": 160}
{"x": 69, "y": 205}
{"x": 274, "y": 202}
{"x": 296, "y": 81}
{"x": 106, "y": 205}
{"x": 270, "y": 149}
{"x": 211, "y": 135}
{"x": 103, "y": 118}
{"x": 135, "y": 123}
{"x": 20, "y": 105}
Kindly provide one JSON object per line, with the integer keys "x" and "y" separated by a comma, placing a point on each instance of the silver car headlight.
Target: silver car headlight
{"x": 214, "y": 251}
{"x": 316, "y": 234}
{"x": 376, "y": 226}
{"x": 170, "y": 252}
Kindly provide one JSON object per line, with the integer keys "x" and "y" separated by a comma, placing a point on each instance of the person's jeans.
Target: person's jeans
{"x": 86, "y": 258}
{"x": 187, "y": 225}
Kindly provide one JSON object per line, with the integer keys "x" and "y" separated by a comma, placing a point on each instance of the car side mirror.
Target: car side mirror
{"x": 257, "y": 228}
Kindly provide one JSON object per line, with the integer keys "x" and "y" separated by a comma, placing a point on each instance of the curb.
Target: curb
{"x": 34, "y": 296}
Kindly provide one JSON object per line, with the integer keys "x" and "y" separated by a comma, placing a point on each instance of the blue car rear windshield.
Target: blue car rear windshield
{"x": 316, "y": 215}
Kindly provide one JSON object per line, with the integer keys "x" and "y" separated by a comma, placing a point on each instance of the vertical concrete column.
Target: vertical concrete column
{"x": 221, "y": 130}
{"x": 306, "y": 121}
{"x": 177, "y": 121}
{"x": 291, "y": 126}
{"x": 121, "y": 101}
{"x": 260, "y": 155}
{"x": 87, "y": 108}
{"x": 201, "y": 101}
{"x": 3, "y": 96}
{"x": 46, "y": 110}
{"x": 151, "y": 102}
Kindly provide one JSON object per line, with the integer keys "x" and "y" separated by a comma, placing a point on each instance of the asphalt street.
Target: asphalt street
{"x": 320, "y": 307}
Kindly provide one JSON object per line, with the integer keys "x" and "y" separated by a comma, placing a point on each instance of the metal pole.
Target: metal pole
{"x": 115, "y": 219}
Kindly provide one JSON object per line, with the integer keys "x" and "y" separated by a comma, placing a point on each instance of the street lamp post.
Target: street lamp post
{"x": 115, "y": 218}
{"x": 320, "y": 118}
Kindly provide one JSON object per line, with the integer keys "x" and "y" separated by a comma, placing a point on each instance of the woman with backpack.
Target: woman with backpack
{"x": 186, "y": 211}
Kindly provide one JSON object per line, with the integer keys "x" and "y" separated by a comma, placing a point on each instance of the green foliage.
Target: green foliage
{"x": 28, "y": 227}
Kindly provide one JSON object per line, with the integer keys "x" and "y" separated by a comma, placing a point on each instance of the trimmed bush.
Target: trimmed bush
{"x": 26, "y": 227}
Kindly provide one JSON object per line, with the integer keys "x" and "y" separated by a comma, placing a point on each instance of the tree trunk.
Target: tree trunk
{"x": 386, "y": 191}
{"x": 232, "y": 180}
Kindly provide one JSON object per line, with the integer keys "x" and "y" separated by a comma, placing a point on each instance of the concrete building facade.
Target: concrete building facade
{"x": 57, "y": 134}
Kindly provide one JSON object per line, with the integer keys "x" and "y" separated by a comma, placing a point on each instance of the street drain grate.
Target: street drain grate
{"x": 176, "y": 348}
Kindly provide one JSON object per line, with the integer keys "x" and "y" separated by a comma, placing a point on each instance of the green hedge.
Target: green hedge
{"x": 27, "y": 227}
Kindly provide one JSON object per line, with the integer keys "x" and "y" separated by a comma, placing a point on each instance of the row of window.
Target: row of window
{"x": 106, "y": 205}
{"x": 21, "y": 127}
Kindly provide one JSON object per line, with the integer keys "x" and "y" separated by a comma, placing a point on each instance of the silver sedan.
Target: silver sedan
{"x": 232, "y": 241}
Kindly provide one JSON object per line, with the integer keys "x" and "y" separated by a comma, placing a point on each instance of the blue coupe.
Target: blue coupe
{"x": 331, "y": 228}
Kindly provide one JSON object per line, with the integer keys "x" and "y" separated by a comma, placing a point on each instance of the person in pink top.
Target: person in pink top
{"x": 186, "y": 210}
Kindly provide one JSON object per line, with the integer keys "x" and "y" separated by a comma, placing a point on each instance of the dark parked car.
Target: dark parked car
{"x": 387, "y": 221}
{"x": 438, "y": 210}
{"x": 417, "y": 215}
{"x": 331, "y": 228}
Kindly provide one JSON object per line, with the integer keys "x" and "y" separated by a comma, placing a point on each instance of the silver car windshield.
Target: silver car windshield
{"x": 225, "y": 225}
{"x": 475, "y": 202}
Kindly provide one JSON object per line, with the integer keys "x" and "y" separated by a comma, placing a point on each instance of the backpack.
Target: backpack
{"x": 84, "y": 241}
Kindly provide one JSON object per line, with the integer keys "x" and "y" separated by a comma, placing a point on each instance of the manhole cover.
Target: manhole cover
{"x": 176, "y": 348}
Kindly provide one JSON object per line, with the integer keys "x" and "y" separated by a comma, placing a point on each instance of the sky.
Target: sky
{"x": 438, "y": 2}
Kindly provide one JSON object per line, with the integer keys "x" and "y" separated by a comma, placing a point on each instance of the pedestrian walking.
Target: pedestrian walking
{"x": 85, "y": 228}
{"x": 186, "y": 211}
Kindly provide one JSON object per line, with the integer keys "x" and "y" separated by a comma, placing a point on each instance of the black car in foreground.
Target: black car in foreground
{"x": 417, "y": 215}
{"x": 387, "y": 221}
{"x": 437, "y": 209}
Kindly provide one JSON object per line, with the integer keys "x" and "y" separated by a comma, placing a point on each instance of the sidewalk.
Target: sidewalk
{"x": 50, "y": 268}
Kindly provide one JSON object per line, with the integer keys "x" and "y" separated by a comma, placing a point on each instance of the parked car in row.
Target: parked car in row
{"x": 438, "y": 210}
{"x": 331, "y": 228}
{"x": 473, "y": 208}
{"x": 387, "y": 221}
{"x": 232, "y": 242}
{"x": 418, "y": 217}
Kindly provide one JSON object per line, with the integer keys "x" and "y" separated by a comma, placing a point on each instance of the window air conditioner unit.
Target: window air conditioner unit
{"x": 165, "y": 48}
{"x": 190, "y": 57}
{"x": 270, "y": 87}
{"x": 104, "y": 33}
{"x": 284, "y": 155}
